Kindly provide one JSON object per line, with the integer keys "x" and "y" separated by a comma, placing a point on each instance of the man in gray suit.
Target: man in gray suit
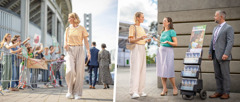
{"x": 220, "y": 52}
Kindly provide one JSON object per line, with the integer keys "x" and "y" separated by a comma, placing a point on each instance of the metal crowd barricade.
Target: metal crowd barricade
{"x": 14, "y": 73}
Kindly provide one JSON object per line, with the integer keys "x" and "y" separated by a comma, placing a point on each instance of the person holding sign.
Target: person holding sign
{"x": 165, "y": 55}
{"x": 75, "y": 35}
{"x": 220, "y": 51}
{"x": 37, "y": 55}
{"x": 137, "y": 36}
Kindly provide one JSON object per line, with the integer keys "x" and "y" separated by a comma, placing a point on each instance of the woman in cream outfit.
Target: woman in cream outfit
{"x": 137, "y": 57}
{"x": 75, "y": 34}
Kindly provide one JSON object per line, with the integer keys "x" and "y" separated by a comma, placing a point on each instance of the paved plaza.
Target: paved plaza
{"x": 58, "y": 95}
{"x": 154, "y": 92}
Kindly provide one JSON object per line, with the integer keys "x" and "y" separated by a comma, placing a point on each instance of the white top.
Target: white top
{"x": 5, "y": 50}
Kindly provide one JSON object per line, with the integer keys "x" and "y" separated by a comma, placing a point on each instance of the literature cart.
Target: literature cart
{"x": 192, "y": 82}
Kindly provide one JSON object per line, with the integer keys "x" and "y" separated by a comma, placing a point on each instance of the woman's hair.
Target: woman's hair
{"x": 27, "y": 44}
{"x": 13, "y": 40}
{"x": 137, "y": 14}
{"x": 170, "y": 26}
{"x": 16, "y": 36}
{"x": 29, "y": 49}
{"x": 75, "y": 16}
{"x": 4, "y": 39}
{"x": 103, "y": 45}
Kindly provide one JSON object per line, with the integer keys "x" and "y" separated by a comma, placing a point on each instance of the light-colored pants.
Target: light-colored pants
{"x": 25, "y": 74}
{"x": 6, "y": 71}
{"x": 137, "y": 69}
{"x": 75, "y": 69}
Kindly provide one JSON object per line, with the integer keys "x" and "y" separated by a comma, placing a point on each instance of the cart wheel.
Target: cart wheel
{"x": 203, "y": 94}
{"x": 187, "y": 97}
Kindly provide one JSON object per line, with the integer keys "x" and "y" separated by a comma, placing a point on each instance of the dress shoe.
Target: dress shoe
{"x": 225, "y": 96}
{"x": 215, "y": 95}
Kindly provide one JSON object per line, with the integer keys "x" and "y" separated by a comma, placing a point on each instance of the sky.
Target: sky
{"x": 148, "y": 7}
{"x": 129, "y": 7}
{"x": 104, "y": 20}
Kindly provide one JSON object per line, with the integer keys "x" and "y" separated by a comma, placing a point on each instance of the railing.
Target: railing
{"x": 15, "y": 73}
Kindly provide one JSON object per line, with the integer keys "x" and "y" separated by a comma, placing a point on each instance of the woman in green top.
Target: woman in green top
{"x": 165, "y": 55}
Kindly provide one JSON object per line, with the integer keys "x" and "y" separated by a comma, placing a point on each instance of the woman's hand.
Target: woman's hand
{"x": 66, "y": 47}
{"x": 148, "y": 40}
{"x": 143, "y": 37}
{"x": 89, "y": 55}
{"x": 155, "y": 39}
{"x": 28, "y": 38}
{"x": 18, "y": 43}
{"x": 166, "y": 42}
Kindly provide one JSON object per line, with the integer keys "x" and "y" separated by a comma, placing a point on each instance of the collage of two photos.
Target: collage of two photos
{"x": 119, "y": 50}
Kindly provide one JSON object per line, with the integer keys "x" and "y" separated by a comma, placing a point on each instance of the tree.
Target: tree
{"x": 153, "y": 27}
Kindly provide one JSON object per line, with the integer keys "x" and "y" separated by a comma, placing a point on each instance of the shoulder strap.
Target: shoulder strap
{"x": 135, "y": 32}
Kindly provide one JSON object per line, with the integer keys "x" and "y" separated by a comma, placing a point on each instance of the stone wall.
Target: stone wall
{"x": 189, "y": 13}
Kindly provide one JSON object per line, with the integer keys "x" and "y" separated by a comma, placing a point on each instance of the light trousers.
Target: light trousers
{"x": 137, "y": 69}
{"x": 75, "y": 69}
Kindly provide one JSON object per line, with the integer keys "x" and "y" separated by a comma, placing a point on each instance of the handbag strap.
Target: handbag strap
{"x": 135, "y": 32}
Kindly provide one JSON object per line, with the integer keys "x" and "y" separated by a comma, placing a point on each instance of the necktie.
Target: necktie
{"x": 215, "y": 36}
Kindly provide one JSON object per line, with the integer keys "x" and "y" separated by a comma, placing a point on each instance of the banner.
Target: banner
{"x": 196, "y": 39}
{"x": 36, "y": 63}
{"x": 36, "y": 39}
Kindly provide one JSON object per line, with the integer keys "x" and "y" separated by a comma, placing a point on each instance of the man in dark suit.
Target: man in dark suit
{"x": 220, "y": 52}
{"x": 93, "y": 65}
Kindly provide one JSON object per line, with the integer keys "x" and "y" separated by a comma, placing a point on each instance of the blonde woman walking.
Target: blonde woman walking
{"x": 75, "y": 35}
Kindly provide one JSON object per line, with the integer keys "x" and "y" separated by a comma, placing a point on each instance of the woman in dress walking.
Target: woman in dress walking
{"x": 137, "y": 57}
{"x": 75, "y": 35}
{"x": 165, "y": 55}
{"x": 104, "y": 59}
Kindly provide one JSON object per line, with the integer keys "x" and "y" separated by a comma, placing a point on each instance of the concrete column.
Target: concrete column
{"x": 44, "y": 21}
{"x": 59, "y": 33}
{"x": 25, "y": 4}
{"x": 54, "y": 25}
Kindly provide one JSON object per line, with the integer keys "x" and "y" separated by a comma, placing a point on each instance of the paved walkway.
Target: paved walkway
{"x": 154, "y": 92}
{"x": 58, "y": 95}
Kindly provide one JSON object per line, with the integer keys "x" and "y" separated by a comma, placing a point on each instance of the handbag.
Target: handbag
{"x": 129, "y": 45}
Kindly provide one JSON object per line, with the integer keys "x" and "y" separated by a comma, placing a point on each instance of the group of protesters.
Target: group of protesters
{"x": 14, "y": 73}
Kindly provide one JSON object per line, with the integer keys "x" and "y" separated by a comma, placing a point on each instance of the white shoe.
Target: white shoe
{"x": 143, "y": 94}
{"x": 6, "y": 90}
{"x": 69, "y": 95}
{"x": 76, "y": 97}
{"x": 135, "y": 95}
